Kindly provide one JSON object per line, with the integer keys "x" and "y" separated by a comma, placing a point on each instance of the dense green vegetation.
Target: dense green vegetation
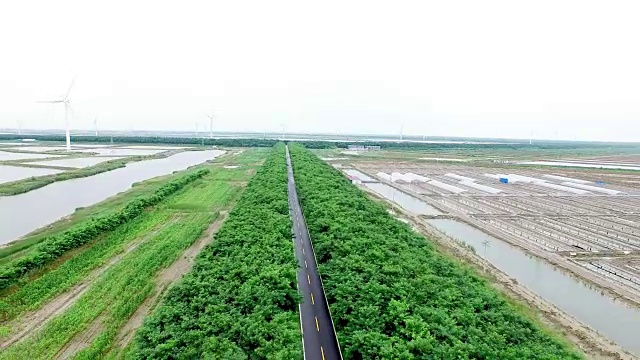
{"x": 392, "y": 295}
{"x": 53, "y": 247}
{"x": 240, "y": 300}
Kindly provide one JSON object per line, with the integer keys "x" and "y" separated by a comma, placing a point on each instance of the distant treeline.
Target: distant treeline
{"x": 320, "y": 144}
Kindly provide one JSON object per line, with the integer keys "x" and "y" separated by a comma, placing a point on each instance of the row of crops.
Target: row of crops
{"x": 55, "y": 246}
{"x": 240, "y": 300}
{"x": 392, "y": 295}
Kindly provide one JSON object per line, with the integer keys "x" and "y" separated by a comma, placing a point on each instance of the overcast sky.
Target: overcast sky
{"x": 559, "y": 69}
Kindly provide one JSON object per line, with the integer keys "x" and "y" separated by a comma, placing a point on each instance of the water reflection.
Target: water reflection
{"x": 615, "y": 320}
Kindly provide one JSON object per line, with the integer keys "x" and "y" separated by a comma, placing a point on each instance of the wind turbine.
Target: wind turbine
{"x": 211, "y": 124}
{"x": 67, "y": 105}
{"x": 20, "y": 127}
{"x": 95, "y": 124}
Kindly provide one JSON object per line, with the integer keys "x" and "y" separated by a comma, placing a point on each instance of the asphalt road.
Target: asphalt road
{"x": 318, "y": 336}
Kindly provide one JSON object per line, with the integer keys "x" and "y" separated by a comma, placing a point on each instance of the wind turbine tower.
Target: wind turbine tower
{"x": 211, "y": 124}
{"x": 67, "y": 105}
{"x": 95, "y": 125}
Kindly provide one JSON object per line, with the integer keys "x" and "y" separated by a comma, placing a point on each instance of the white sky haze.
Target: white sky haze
{"x": 559, "y": 69}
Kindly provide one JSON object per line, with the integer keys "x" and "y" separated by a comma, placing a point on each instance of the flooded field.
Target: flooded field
{"x": 612, "y": 318}
{"x": 24, "y": 213}
{"x": 76, "y": 162}
{"x": 15, "y": 173}
{"x": 5, "y": 156}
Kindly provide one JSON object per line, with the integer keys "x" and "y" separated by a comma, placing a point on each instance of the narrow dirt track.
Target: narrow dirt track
{"x": 165, "y": 278}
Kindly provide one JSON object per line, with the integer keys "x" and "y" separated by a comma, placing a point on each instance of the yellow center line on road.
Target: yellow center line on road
{"x": 313, "y": 302}
{"x": 322, "y": 351}
{"x": 308, "y": 279}
{"x": 317, "y": 325}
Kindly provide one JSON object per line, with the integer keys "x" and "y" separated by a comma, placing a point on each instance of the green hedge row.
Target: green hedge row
{"x": 392, "y": 295}
{"x": 53, "y": 247}
{"x": 240, "y": 300}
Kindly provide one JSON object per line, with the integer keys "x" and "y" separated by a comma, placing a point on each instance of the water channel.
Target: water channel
{"x": 24, "y": 213}
{"x": 614, "y": 319}
{"x": 404, "y": 200}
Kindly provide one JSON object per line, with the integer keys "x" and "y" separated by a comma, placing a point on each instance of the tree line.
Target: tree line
{"x": 240, "y": 300}
{"x": 392, "y": 295}
{"x": 310, "y": 144}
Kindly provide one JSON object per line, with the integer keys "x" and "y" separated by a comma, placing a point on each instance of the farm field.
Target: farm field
{"x": 392, "y": 295}
{"x": 89, "y": 302}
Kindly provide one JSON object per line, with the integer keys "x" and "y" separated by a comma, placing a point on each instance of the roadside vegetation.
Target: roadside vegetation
{"x": 116, "y": 279}
{"x": 240, "y": 300}
{"x": 392, "y": 295}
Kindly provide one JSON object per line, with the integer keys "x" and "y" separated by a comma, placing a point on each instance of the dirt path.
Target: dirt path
{"x": 32, "y": 321}
{"x": 165, "y": 278}
{"x": 82, "y": 340}
{"x": 592, "y": 343}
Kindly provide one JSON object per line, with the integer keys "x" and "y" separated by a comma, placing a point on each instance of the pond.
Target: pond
{"x": 123, "y": 152}
{"x": 15, "y": 173}
{"x": 6, "y": 156}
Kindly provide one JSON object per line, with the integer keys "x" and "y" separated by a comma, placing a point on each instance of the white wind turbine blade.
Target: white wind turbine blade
{"x": 66, "y": 97}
